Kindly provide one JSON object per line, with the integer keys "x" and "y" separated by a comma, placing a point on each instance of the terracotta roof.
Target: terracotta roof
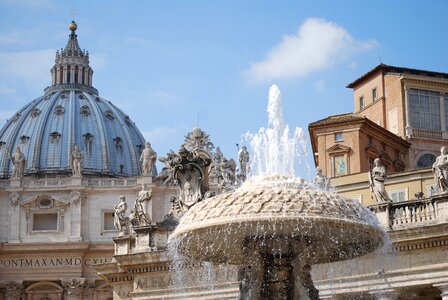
{"x": 388, "y": 68}
{"x": 337, "y": 119}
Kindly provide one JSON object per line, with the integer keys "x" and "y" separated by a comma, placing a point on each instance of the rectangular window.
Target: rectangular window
{"x": 424, "y": 109}
{"x": 108, "y": 221}
{"x": 398, "y": 195}
{"x": 45, "y": 222}
{"x": 374, "y": 96}
{"x": 361, "y": 102}
{"x": 338, "y": 137}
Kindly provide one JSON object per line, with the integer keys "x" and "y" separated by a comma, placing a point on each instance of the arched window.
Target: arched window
{"x": 426, "y": 160}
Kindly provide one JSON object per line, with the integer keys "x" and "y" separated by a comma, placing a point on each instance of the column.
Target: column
{"x": 86, "y": 76}
{"x": 14, "y": 290}
{"x": 58, "y": 75}
{"x": 72, "y": 74}
{"x": 64, "y": 75}
{"x": 80, "y": 74}
{"x": 408, "y": 128}
{"x": 74, "y": 288}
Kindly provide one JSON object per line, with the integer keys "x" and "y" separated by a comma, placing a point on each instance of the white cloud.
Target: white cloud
{"x": 317, "y": 45}
{"x": 27, "y": 68}
{"x": 320, "y": 85}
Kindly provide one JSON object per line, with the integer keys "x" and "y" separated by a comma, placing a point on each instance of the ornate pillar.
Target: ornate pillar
{"x": 408, "y": 128}
{"x": 14, "y": 290}
{"x": 74, "y": 288}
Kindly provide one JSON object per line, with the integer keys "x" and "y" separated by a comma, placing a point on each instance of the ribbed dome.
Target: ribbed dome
{"x": 48, "y": 128}
{"x": 71, "y": 113}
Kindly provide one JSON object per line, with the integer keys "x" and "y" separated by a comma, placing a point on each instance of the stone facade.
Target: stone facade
{"x": 391, "y": 110}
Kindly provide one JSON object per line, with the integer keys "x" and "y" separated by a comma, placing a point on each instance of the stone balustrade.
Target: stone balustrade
{"x": 58, "y": 183}
{"x": 412, "y": 213}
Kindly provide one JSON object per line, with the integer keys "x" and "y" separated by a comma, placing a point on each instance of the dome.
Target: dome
{"x": 71, "y": 113}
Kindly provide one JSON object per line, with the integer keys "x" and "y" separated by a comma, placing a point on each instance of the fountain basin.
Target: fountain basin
{"x": 277, "y": 215}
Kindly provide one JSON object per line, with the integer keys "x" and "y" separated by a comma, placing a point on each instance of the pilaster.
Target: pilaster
{"x": 408, "y": 128}
{"x": 14, "y": 221}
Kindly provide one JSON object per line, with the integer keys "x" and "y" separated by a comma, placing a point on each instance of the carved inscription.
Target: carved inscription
{"x": 50, "y": 262}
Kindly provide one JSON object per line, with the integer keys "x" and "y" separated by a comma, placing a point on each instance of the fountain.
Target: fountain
{"x": 275, "y": 226}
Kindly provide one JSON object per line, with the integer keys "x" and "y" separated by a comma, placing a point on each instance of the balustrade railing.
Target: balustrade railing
{"x": 429, "y": 134}
{"x": 412, "y": 212}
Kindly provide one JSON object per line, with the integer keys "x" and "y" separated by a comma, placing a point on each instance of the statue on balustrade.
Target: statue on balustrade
{"x": 440, "y": 169}
{"x": 18, "y": 160}
{"x": 148, "y": 159}
{"x": 140, "y": 212}
{"x": 119, "y": 216}
{"x": 320, "y": 180}
{"x": 377, "y": 178}
{"x": 76, "y": 161}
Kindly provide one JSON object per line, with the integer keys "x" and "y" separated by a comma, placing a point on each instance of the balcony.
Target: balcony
{"x": 412, "y": 213}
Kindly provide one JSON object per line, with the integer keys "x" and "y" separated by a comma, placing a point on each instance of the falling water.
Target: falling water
{"x": 274, "y": 151}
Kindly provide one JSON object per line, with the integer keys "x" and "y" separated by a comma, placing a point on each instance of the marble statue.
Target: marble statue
{"x": 320, "y": 180}
{"x": 119, "y": 216}
{"x": 76, "y": 161}
{"x": 243, "y": 157}
{"x": 140, "y": 212}
{"x": 148, "y": 159}
{"x": 166, "y": 175}
{"x": 440, "y": 169}
{"x": 18, "y": 160}
{"x": 376, "y": 179}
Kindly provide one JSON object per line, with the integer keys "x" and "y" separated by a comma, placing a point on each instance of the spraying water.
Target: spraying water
{"x": 274, "y": 151}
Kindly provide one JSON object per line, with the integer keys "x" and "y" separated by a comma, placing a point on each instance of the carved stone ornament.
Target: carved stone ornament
{"x": 74, "y": 287}
{"x": 14, "y": 199}
{"x": 77, "y": 197}
{"x": 14, "y": 290}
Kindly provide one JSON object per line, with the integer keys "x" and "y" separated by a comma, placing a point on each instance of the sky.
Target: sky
{"x": 175, "y": 65}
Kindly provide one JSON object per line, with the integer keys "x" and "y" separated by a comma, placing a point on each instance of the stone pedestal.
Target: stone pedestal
{"x": 144, "y": 179}
{"x": 15, "y": 182}
{"x": 123, "y": 244}
{"x": 76, "y": 180}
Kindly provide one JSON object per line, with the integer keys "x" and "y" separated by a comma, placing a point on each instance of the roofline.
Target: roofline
{"x": 364, "y": 120}
{"x": 395, "y": 69}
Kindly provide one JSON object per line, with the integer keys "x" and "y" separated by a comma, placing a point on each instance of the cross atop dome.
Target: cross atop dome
{"x": 72, "y": 63}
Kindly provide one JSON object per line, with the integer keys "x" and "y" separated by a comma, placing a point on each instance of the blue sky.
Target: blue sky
{"x": 174, "y": 65}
